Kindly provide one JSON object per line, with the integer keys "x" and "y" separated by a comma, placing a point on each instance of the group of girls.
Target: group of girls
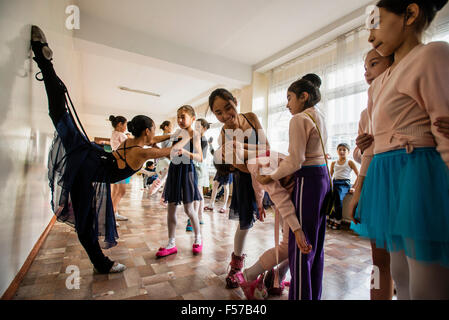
{"x": 401, "y": 197}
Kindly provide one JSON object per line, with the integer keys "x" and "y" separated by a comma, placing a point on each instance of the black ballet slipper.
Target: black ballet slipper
{"x": 42, "y": 53}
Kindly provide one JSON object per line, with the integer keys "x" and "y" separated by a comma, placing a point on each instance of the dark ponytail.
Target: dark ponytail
{"x": 115, "y": 121}
{"x": 204, "y": 123}
{"x": 310, "y": 83}
{"x": 428, "y": 9}
{"x": 139, "y": 124}
{"x": 165, "y": 124}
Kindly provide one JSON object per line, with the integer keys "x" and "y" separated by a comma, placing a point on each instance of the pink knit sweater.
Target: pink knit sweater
{"x": 304, "y": 143}
{"x": 403, "y": 103}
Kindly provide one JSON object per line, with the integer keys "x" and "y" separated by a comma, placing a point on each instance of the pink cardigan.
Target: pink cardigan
{"x": 403, "y": 103}
{"x": 304, "y": 143}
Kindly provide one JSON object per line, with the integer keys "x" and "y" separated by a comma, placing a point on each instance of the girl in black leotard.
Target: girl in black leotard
{"x": 80, "y": 172}
{"x": 243, "y": 202}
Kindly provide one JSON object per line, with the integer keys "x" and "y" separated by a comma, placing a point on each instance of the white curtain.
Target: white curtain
{"x": 340, "y": 66}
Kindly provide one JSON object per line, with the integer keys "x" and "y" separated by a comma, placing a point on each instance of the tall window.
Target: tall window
{"x": 343, "y": 90}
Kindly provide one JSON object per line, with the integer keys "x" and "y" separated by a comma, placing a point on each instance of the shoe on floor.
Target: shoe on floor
{"x": 116, "y": 268}
{"x": 166, "y": 252}
{"x": 120, "y": 218}
{"x": 253, "y": 290}
{"x": 236, "y": 266}
{"x": 117, "y": 224}
{"x": 269, "y": 284}
{"x": 189, "y": 226}
{"x": 197, "y": 248}
{"x": 336, "y": 226}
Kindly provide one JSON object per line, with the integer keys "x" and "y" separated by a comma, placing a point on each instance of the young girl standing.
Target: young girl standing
{"x": 80, "y": 172}
{"x": 382, "y": 289}
{"x": 251, "y": 279}
{"x": 341, "y": 172}
{"x": 404, "y": 201}
{"x": 221, "y": 179}
{"x": 306, "y": 160}
{"x": 118, "y": 189}
{"x": 182, "y": 183}
{"x": 243, "y": 202}
{"x": 163, "y": 163}
{"x": 201, "y": 167}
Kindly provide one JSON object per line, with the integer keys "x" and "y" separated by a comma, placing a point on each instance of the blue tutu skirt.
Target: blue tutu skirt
{"x": 223, "y": 180}
{"x": 243, "y": 202}
{"x": 182, "y": 184}
{"x": 404, "y": 204}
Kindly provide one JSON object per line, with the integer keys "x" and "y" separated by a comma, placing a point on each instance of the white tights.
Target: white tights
{"x": 417, "y": 280}
{"x": 199, "y": 205}
{"x": 214, "y": 194}
{"x": 239, "y": 240}
{"x": 189, "y": 209}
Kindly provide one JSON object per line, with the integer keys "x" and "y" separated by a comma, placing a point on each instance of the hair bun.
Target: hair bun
{"x": 314, "y": 79}
{"x": 130, "y": 126}
{"x": 439, "y": 4}
{"x": 111, "y": 118}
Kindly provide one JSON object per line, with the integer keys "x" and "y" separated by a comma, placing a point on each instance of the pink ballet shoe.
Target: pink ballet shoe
{"x": 222, "y": 210}
{"x": 254, "y": 290}
{"x": 197, "y": 248}
{"x": 236, "y": 266}
{"x": 208, "y": 209}
{"x": 155, "y": 186}
{"x": 269, "y": 284}
{"x": 166, "y": 252}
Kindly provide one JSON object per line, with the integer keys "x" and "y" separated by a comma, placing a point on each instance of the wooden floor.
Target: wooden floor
{"x": 181, "y": 276}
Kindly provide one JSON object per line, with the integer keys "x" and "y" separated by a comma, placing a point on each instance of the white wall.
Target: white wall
{"x": 25, "y": 128}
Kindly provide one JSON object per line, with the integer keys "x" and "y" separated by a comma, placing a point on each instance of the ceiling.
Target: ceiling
{"x": 182, "y": 49}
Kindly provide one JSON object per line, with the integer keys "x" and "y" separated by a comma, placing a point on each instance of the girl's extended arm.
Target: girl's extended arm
{"x": 156, "y": 153}
{"x": 157, "y": 139}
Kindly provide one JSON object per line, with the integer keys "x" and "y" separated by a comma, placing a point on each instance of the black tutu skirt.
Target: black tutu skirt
{"x": 181, "y": 186}
{"x": 243, "y": 202}
{"x": 80, "y": 173}
{"x": 223, "y": 180}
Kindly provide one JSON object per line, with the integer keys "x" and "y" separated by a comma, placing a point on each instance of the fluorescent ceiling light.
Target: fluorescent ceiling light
{"x": 140, "y": 91}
